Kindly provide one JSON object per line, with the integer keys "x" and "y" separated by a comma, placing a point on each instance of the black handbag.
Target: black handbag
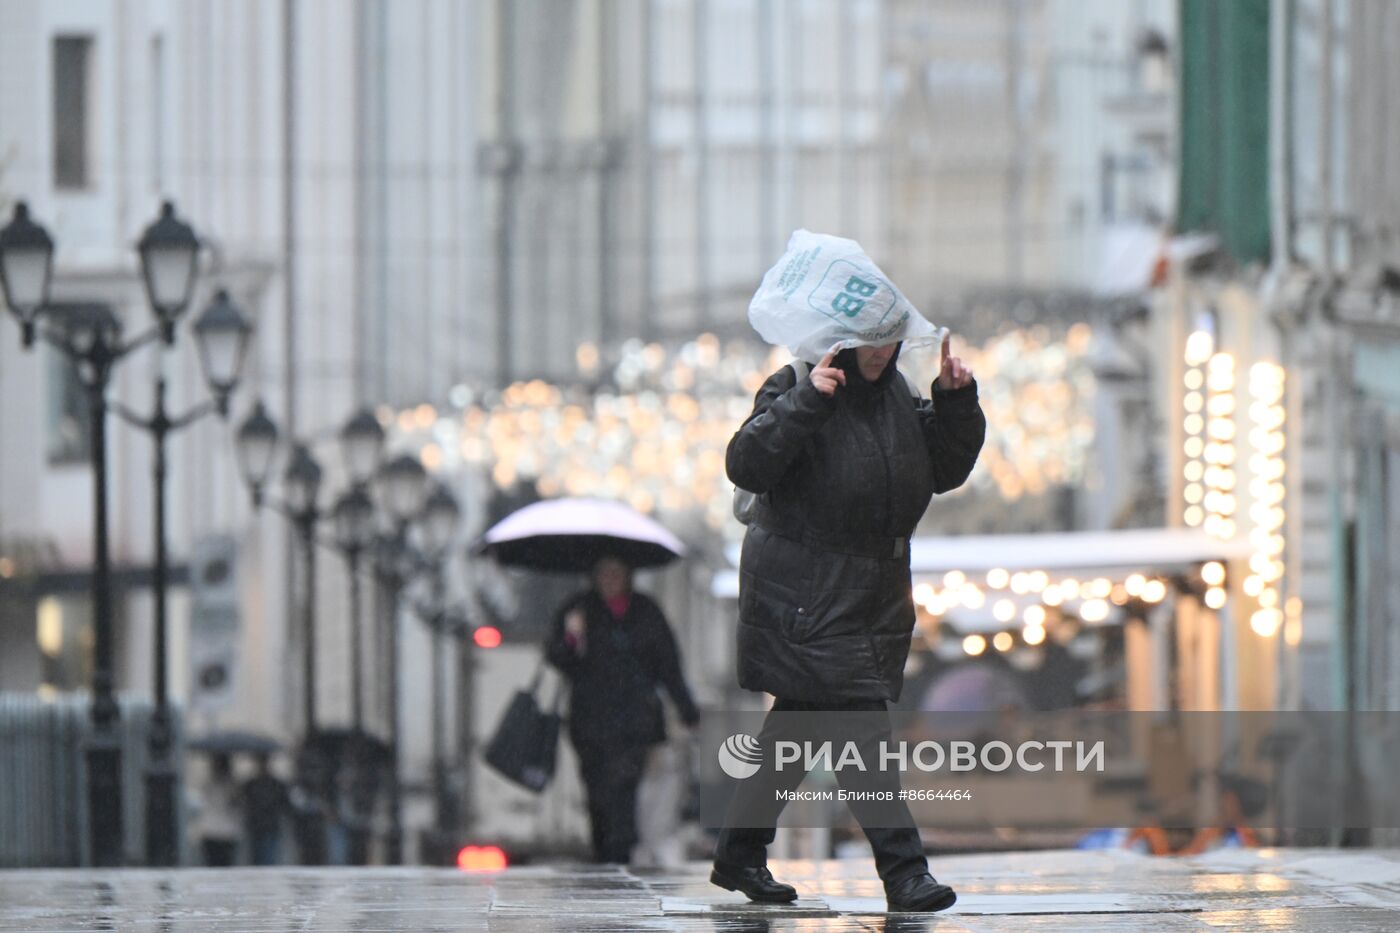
{"x": 526, "y": 740}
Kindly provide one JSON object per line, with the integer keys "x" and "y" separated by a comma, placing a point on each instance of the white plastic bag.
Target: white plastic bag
{"x": 825, "y": 291}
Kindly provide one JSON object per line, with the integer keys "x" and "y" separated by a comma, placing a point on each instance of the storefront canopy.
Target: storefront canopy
{"x": 1072, "y": 553}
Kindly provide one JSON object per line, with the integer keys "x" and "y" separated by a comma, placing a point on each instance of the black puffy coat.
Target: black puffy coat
{"x": 826, "y": 607}
{"x": 613, "y": 698}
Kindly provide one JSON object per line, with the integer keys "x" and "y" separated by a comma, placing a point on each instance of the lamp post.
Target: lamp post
{"x": 301, "y": 486}
{"x": 362, "y": 444}
{"x": 403, "y": 487}
{"x": 90, "y": 336}
{"x": 354, "y": 530}
{"x": 222, "y": 333}
{"x": 362, "y": 447}
{"x": 440, "y": 517}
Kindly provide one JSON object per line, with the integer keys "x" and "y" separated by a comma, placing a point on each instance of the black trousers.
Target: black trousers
{"x": 220, "y": 853}
{"x": 898, "y": 849}
{"x": 611, "y": 773}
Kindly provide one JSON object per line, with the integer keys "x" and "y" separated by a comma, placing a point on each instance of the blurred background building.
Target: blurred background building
{"x": 525, "y": 233}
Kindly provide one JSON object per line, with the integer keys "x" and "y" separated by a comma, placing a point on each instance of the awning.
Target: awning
{"x": 1078, "y": 553}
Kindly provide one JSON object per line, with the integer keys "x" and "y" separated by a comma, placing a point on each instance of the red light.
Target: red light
{"x": 481, "y": 858}
{"x": 488, "y": 636}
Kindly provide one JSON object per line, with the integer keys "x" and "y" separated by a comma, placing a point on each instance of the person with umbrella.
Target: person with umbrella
{"x": 612, "y": 643}
{"x": 616, "y": 649}
{"x": 217, "y": 824}
{"x": 266, "y": 802}
{"x": 222, "y": 806}
{"x": 843, "y": 462}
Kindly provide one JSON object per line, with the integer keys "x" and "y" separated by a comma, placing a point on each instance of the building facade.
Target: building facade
{"x": 325, "y": 153}
{"x": 1299, "y": 276}
{"x": 422, "y": 201}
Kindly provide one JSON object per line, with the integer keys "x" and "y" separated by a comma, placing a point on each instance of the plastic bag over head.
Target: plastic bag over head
{"x": 825, "y": 291}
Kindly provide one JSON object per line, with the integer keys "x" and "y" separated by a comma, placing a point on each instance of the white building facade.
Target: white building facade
{"x": 423, "y": 196}
{"x": 325, "y": 152}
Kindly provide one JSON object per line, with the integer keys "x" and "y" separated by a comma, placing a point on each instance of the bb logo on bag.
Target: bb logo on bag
{"x": 847, "y": 303}
{"x": 845, "y": 292}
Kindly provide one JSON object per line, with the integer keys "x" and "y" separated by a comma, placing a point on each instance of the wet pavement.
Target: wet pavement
{"x": 1264, "y": 889}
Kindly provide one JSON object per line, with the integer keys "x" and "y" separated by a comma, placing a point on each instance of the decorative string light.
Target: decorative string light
{"x": 1154, "y": 591}
{"x": 652, "y": 427}
{"x": 1200, "y": 345}
{"x": 1060, "y": 606}
{"x": 1266, "y": 489}
{"x": 1217, "y": 501}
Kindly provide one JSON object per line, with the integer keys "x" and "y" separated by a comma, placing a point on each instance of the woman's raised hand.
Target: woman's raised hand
{"x": 952, "y": 374}
{"x": 826, "y": 376}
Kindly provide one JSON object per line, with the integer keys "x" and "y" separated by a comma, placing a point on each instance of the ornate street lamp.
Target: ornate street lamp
{"x": 354, "y": 531}
{"x": 439, "y": 520}
{"x": 255, "y": 446}
{"x": 437, "y": 524}
{"x": 26, "y": 269}
{"x": 404, "y": 486}
{"x": 90, "y": 336}
{"x": 222, "y": 333}
{"x": 353, "y": 515}
{"x": 301, "y": 483}
{"x": 169, "y": 258}
{"x": 362, "y": 444}
{"x": 354, "y": 519}
{"x": 301, "y": 487}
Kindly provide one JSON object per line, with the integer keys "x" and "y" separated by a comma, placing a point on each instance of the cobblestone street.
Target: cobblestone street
{"x": 1267, "y": 889}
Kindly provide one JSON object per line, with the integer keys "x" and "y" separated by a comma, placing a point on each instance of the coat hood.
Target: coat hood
{"x": 846, "y": 360}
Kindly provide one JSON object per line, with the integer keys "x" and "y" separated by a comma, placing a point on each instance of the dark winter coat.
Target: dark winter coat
{"x": 825, "y": 603}
{"x": 613, "y": 685}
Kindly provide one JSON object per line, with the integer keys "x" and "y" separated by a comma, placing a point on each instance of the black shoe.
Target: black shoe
{"x": 756, "y": 884}
{"x": 920, "y": 893}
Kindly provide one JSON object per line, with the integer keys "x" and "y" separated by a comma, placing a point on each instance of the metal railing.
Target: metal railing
{"x": 43, "y": 798}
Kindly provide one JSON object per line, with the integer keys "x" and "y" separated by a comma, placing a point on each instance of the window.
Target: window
{"x": 64, "y": 632}
{"x": 71, "y": 58}
{"x": 69, "y": 422}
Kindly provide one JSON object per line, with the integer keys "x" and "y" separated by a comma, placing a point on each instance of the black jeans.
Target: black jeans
{"x": 611, "y": 773}
{"x": 898, "y": 850}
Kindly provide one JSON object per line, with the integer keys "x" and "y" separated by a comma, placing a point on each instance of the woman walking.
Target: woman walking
{"x": 844, "y": 461}
{"x": 616, "y": 649}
